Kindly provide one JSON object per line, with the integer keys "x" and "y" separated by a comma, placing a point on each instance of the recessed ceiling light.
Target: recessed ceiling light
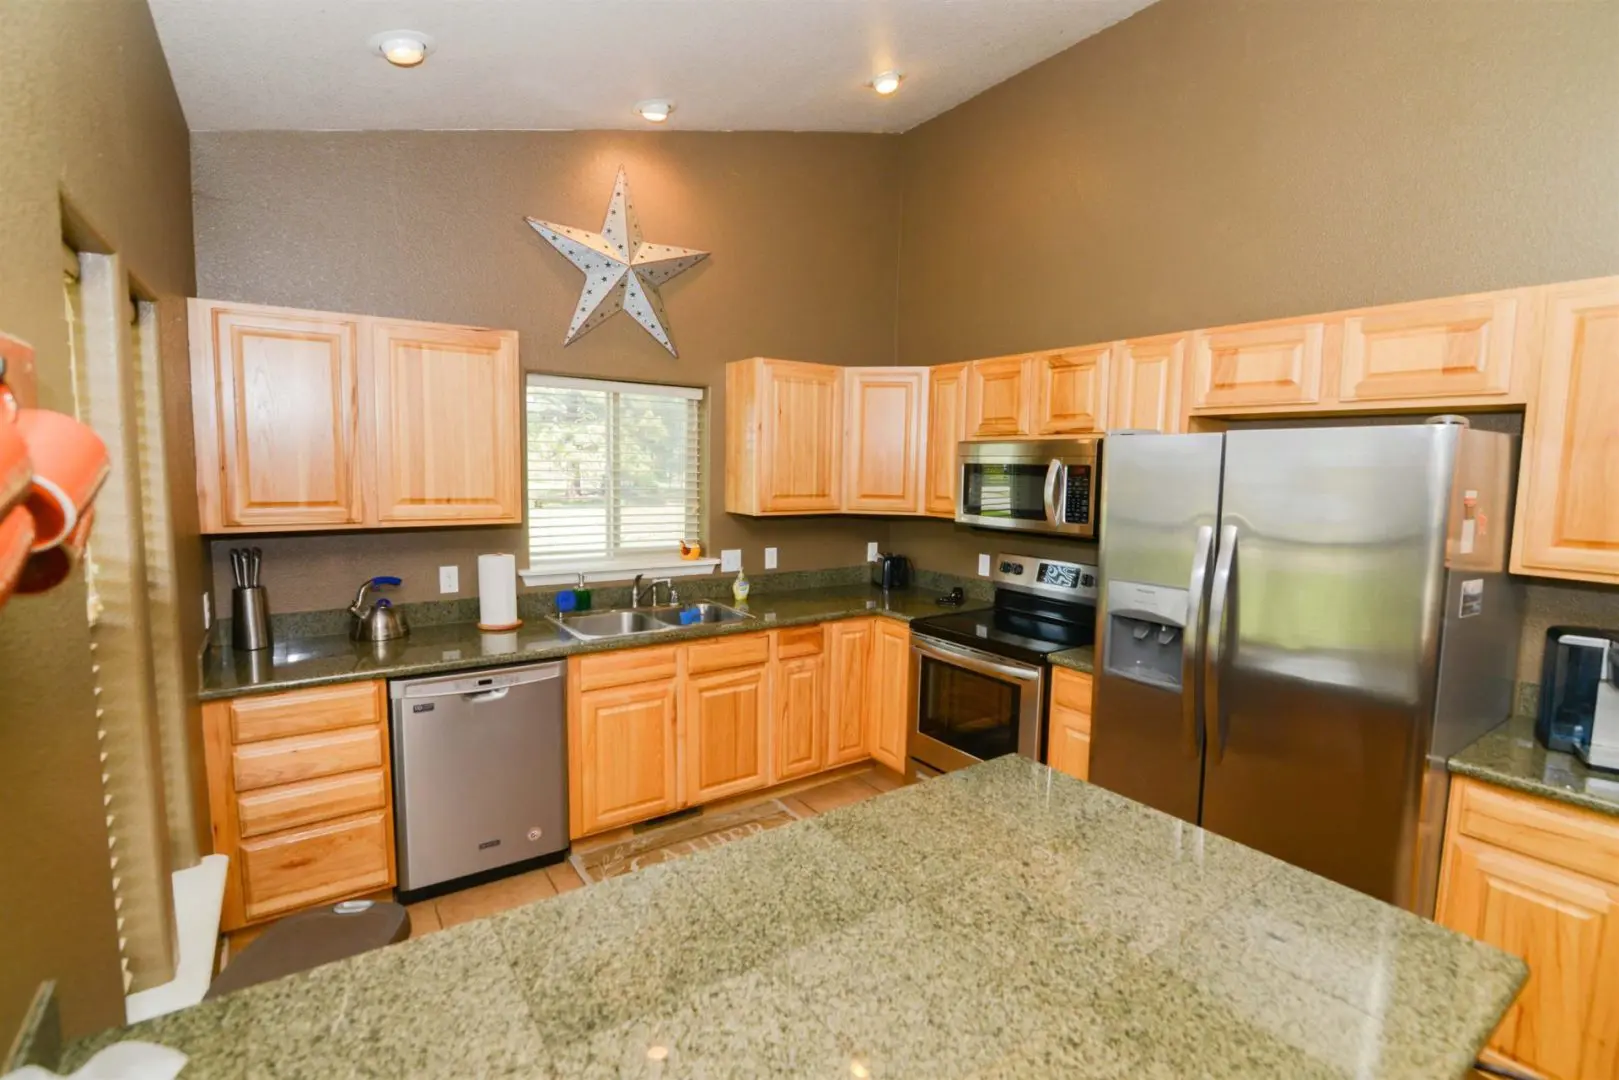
{"x": 402, "y": 48}
{"x": 655, "y": 111}
{"x": 887, "y": 82}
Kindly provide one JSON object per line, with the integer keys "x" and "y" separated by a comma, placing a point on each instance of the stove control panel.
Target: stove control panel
{"x": 1046, "y": 577}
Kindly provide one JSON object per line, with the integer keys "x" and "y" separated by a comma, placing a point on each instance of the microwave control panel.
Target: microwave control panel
{"x": 1077, "y": 496}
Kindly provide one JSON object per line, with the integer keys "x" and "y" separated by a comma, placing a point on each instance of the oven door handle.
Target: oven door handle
{"x": 973, "y": 660}
{"x": 1053, "y": 472}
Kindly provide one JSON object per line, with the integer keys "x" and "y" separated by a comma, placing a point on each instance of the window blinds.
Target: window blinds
{"x": 614, "y": 469}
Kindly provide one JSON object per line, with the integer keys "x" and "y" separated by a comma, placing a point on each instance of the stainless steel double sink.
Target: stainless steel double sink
{"x": 632, "y": 622}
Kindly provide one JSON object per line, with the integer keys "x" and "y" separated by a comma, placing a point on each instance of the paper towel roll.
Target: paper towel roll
{"x": 497, "y": 592}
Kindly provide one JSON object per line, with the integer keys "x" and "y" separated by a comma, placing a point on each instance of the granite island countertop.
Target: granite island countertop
{"x": 295, "y": 662}
{"x": 1511, "y": 756}
{"x": 1001, "y": 921}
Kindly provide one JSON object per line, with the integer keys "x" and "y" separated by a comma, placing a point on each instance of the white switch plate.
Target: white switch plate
{"x": 770, "y": 558}
{"x": 730, "y": 560}
{"x": 983, "y": 566}
{"x": 449, "y": 579}
{"x": 871, "y": 551}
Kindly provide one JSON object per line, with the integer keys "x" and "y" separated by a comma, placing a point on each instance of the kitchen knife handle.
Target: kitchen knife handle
{"x": 1215, "y": 653}
{"x": 1193, "y": 636}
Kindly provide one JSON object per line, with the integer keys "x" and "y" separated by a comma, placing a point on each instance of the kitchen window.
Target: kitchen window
{"x": 615, "y": 478}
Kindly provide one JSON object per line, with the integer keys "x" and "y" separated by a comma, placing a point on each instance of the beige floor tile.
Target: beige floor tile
{"x": 843, "y": 792}
{"x": 564, "y": 877}
{"x": 491, "y": 899}
{"x": 883, "y": 779}
{"x": 799, "y": 806}
{"x": 423, "y": 918}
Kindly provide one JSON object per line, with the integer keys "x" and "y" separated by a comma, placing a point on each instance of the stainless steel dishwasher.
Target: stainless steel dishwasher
{"x": 480, "y": 773}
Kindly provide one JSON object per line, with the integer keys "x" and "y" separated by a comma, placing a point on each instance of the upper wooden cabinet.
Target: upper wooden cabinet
{"x": 1568, "y": 512}
{"x": 275, "y": 405}
{"x": 446, "y": 424}
{"x": 1069, "y": 390}
{"x": 1149, "y": 377}
{"x": 890, "y": 699}
{"x": 947, "y": 427}
{"x": 885, "y": 420}
{"x": 998, "y": 398}
{"x": 1462, "y": 347}
{"x": 314, "y": 420}
{"x": 1260, "y": 364}
{"x": 783, "y": 437}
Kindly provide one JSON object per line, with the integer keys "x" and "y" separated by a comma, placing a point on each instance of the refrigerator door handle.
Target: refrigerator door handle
{"x": 1192, "y": 636}
{"x": 1053, "y": 471}
{"x": 1214, "y": 653}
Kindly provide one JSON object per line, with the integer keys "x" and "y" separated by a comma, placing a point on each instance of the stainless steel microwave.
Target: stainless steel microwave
{"x": 1047, "y": 486}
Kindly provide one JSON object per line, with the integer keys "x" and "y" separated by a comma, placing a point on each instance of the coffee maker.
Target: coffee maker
{"x": 1579, "y": 695}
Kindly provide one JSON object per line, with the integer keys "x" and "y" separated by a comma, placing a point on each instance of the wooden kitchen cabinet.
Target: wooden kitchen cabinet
{"x": 275, "y": 396}
{"x": 1149, "y": 378}
{"x": 623, "y": 753}
{"x": 885, "y": 414}
{"x": 998, "y": 398}
{"x": 890, "y": 700}
{"x": 1541, "y": 880}
{"x": 1267, "y": 364}
{"x": 1568, "y": 491}
{"x": 446, "y": 425}
{"x": 1473, "y": 349}
{"x": 798, "y": 724}
{"x": 1068, "y": 730}
{"x": 299, "y": 798}
{"x": 1069, "y": 388}
{"x": 848, "y": 652}
{"x": 783, "y": 437}
{"x": 946, "y": 427}
{"x": 727, "y": 717}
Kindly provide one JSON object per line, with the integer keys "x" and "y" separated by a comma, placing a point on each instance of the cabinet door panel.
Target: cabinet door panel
{"x": 279, "y": 446}
{"x": 798, "y": 727}
{"x": 291, "y": 870}
{"x": 848, "y": 649}
{"x": 726, "y": 728}
{"x": 885, "y": 411}
{"x": 1271, "y": 363}
{"x": 1070, "y": 390}
{"x": 624, "y": 765}
{"x": 1568, "y": 515}
{"x": 890, "y": 692}
{"x": 446, "y": 424}
{"x": 1464, "y": 346}
{"x": 998, "y": 397}
{"x": 1068, "y": 731}
{"x": 1148, "y": 377}
{"x": 947, "y": 426}
{"x": 800, "y": 460}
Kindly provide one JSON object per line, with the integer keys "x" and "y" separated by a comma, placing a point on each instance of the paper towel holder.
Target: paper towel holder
{"x": 510, "y": 585}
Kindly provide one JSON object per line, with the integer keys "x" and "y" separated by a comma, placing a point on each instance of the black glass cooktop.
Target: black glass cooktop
{"x": 1016, "y": 626}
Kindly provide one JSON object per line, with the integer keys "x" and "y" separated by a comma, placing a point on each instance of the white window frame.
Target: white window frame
{"x": 625, "y": 567}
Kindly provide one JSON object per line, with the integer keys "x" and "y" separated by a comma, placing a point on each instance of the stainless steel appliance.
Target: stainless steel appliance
{"x": 379, "y": 622}
{"x": 480, "y": 772}
{"x": 1298, "y": 628}
{"x": 978, "y": 678}
{"x": 1045, "y": 487}
{"x": 1579, "y": 694}
{"x": 891, "y": 572}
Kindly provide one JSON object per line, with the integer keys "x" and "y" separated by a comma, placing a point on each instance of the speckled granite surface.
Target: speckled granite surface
{"x": 1511, "y": 756}
{"x": 1080, "y": 659}
{"x": 314, "y": 661}
{"x": 1002, "y": 921}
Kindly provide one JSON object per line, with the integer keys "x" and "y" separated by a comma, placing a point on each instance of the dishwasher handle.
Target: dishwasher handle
{"x": 474, "y": 684}
{"x": 486, "y": 696}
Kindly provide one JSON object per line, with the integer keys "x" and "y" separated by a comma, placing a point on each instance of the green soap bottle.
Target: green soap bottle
{"x": 581, "y": 595}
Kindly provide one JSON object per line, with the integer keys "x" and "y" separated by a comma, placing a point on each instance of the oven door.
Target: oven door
{"x": 971, "y": 705}
{"x": 1048, "y": 486}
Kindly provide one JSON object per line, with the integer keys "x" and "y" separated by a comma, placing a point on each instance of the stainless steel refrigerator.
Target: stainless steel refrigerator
{"x": 1297, "y": 627}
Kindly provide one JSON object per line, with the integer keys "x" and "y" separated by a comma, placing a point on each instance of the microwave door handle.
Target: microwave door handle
{"x": 1053, "y": 472}
{"x": 1215, "y": 650}
{"x": 1194, "y": 634}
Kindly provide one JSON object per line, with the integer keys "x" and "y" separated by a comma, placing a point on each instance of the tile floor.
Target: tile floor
{"x": 497, "y": 896}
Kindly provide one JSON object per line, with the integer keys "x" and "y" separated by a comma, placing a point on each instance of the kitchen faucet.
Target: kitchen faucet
{"x": 637, "y": 594}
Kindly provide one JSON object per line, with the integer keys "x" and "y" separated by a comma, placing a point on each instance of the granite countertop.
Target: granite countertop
{"x": 1080, "y": 659}
{"x": 1512, "y": 757}
{"x": 1001, "y": 921}
{"x": 316, "y": 661}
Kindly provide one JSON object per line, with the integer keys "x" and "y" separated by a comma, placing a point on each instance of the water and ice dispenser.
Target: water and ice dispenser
{"x": 1146, "y": 633}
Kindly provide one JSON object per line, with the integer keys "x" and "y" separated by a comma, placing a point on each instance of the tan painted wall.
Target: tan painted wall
{"x": 87, "y": 114}
{"x": 1205, "y": 163}
{"x": 804, "y": 231}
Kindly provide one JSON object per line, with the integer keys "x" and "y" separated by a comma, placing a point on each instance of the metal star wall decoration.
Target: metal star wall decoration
{"x": 622, "y": 271}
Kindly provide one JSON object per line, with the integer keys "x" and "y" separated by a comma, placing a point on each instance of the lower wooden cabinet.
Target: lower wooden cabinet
{"x": 1068, "y": 731}
{"x": 622, "y": 753}
{"x": 890, "y": 701}
{"x": 727, "y": 732}
{"x": 848, "y": 651}
{"x": 299, "y": 796}
{"x": 1541, "y": 881}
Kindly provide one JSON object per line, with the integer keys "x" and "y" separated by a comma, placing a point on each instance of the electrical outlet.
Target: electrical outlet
{"x": 449, "y": 579}
{"x": 871, "y": 551}
{"x": 207, "y": 610}
{"x": 983, "y": 566}
{"x": 770, "y": 558}
{"x": 730, "y": 560}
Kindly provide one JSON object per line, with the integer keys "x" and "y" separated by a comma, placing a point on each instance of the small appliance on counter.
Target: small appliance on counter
{"x": 1579, "y": 695}
{"x": 249, "y": 604}
{"x": 379, "y": 622}
{"x": 891, "y": 572}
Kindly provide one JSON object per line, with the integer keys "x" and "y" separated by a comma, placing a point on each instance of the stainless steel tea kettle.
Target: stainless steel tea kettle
{"x": 379, "y": 622}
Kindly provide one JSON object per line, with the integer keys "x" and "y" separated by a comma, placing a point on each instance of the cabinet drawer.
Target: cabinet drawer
{"x": 285, "y": 761}
{"x": 1578, "y": 840}
{"x": 275, "y": 716}
{"x": 730, "y": 652}
{"x": 799, "y": 641}
{"x": 292, "y": 805}
{"x": 1072, "y": 690}
{"x": 620, "y": 668}
{"x": 307, "y": 866}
